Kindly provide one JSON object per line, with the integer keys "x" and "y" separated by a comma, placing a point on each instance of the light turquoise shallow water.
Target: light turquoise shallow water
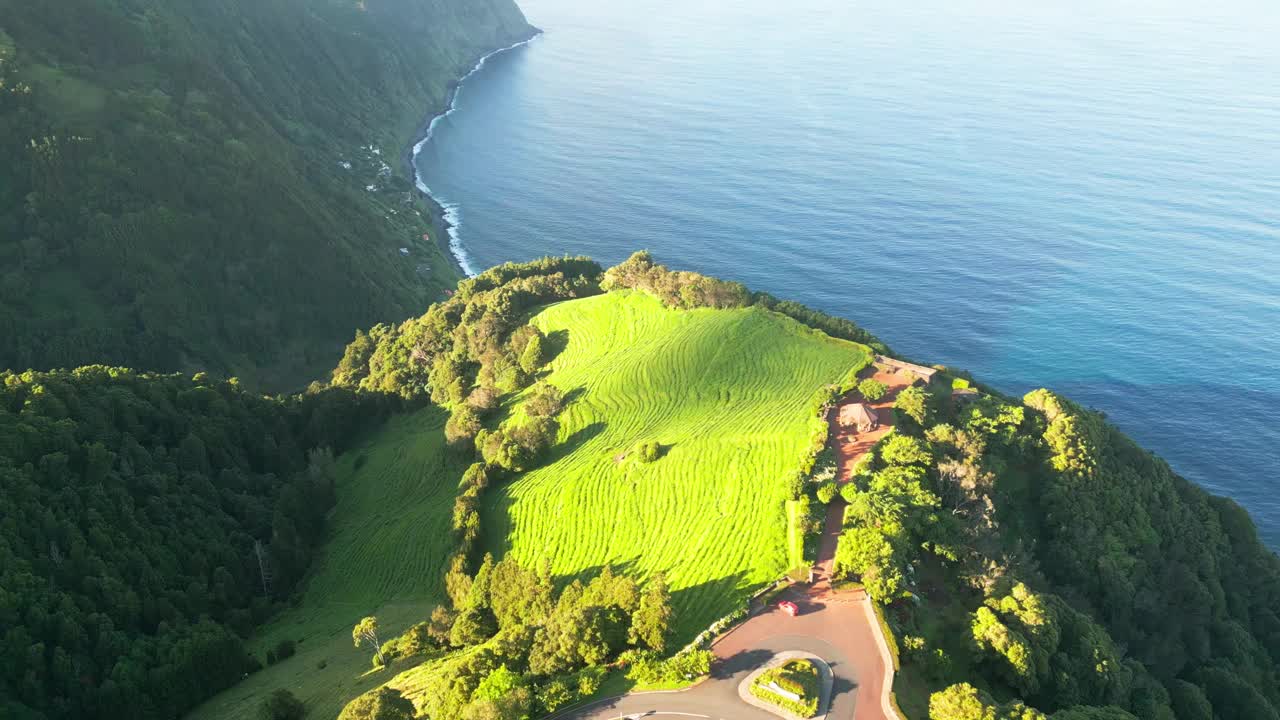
{"x": 1084, "y": 196}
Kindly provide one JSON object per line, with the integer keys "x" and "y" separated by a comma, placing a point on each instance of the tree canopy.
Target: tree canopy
{"x": 147, "y": 523}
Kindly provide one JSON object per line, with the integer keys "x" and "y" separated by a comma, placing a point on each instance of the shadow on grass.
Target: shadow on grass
{"x": 555, "y": 343}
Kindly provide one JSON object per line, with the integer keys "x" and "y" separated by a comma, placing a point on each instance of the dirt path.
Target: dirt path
{"x": 850, "y": 445}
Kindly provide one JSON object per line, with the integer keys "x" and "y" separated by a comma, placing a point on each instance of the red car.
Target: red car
{"x": 789, "y": 608}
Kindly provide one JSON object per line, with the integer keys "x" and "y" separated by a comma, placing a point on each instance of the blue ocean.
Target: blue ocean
{"x": 1083, "y": 196}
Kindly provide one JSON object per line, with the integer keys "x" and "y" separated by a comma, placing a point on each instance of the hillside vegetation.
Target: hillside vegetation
{"x": 590, "y": 466}
{"x": 388, "y": 543}
{"x": 725, "y": 394}
{"x": 1054, "y": 568}
{"x": 175, "y": 195}
{"x": 132, "y": 511}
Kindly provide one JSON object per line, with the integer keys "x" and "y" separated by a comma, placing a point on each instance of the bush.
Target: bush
{"x": 463, "y": 425}
{"x": 872, "y": 389}
{"x": 827, "y": 492}
{"x": 646, "y": 451}
{"x": 590, "y": 679}
{"x": 381, "y": 704}
{"x": 647, "y": 668}
{"x": 282, "y": 705}
{"x": 284, "y": 650}
{"x": 555, "y": 695}
{"x": 796, "y": 676}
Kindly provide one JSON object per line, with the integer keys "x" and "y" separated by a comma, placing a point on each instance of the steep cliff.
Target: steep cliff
{"x": 211, "y": 184}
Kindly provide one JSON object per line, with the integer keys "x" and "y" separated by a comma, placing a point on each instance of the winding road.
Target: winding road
{"x": 836, "y": 627}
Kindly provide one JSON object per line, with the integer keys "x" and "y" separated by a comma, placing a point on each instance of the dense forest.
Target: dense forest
{"x": 1035, "y": 561}
{"x": 147, "y": 524}
{"x": 214, "y": 184}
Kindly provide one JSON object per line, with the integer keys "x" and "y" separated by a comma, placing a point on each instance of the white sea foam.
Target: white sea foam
{"x": 452, "y": 213}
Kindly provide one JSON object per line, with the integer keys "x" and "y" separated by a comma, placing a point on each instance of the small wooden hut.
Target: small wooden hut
{"x": 860, "y": 416}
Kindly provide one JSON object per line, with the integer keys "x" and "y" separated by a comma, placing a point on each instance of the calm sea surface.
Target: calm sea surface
{"x": 1083, "y": 195}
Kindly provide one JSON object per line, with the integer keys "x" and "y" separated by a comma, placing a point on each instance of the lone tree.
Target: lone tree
{"x": 652, "y": 619}
{"x": 872, "y": 389}
{"x": 366, "y": 632}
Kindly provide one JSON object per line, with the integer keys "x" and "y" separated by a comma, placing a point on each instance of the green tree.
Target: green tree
{"x": 865, "y": 552}
{"x": 905, "y": 450}
{"x": 383, "y": 703}
{"x": 498, "y": 684}
{"x": 545, "y": 400}
{"x": 463, "y": 425}
{"x": 872, "y": 389}
{"x": 474, "y": 625}
{"x": 651, "y": 622}
{"x": 913, "y": 402}
{"x": 534, "y": 355}
{"x": 366, "y": 633}
{"x": 965, "y": 702}
{"x": 440, "y": 626}
{"x": 1189, "y": 702}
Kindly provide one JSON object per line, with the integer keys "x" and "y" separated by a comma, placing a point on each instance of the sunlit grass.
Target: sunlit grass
{"x": 725, "y": 392}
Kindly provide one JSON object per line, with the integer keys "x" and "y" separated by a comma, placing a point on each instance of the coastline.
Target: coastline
{"x": 444, "y": 215}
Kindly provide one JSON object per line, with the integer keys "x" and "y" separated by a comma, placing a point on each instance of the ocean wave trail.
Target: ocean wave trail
{"x": 452, "y": 212}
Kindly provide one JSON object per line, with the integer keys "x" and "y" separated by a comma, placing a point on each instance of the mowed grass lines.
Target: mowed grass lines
{"x": 389, "y": 538}
{"x": 725, "y": 392}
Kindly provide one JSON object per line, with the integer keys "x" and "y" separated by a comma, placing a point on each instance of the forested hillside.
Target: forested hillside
{"x": 1036, "y": 562}
{"x": 137, "y": 513}
{"x": 209, "y": 184}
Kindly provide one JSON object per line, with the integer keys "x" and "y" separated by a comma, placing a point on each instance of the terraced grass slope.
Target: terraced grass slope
{"x": 725, "y": 392}
{"x": 385, "y": 557}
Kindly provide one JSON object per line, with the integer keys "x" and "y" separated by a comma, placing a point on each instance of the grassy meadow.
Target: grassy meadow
{"x": 725, "y": 393}
{"x": 385, "y": 557}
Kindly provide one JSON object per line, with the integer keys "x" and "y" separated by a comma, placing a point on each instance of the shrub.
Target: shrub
{"x": 796, "y": 676}
{"x": 381, "y": 704}
{"x": 285, "y": 649}
{"x": 647, "y": 668}
{"x": 545, "y": 400}
{"x": 282, "y": 705}
{"x": 464, "y": 424}
{"x": 590, "y": 679}
{"x": 555, "y": 695}
{"x": 827, "y": 492}
{"x": 905, "y": 450}
{"x": 646, "y": 451}
{"x": 872, "y": 389}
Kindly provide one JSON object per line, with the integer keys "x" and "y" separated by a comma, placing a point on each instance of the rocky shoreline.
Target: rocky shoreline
{"x": 441, "y": 226}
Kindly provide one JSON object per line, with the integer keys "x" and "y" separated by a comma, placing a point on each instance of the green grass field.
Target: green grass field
{"x": 385, "y": 557}
{"x": 725, "y": 392}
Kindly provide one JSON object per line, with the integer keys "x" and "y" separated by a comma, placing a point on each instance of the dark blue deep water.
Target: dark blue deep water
{"x": 1081, "y": 195}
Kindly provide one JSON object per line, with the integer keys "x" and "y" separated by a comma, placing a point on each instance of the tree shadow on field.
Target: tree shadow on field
{"x": 573, "y": 442}
{"x": 499, "y": 498}
{"x": 571, "y": 395}
{"x": 555, "y": 343}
